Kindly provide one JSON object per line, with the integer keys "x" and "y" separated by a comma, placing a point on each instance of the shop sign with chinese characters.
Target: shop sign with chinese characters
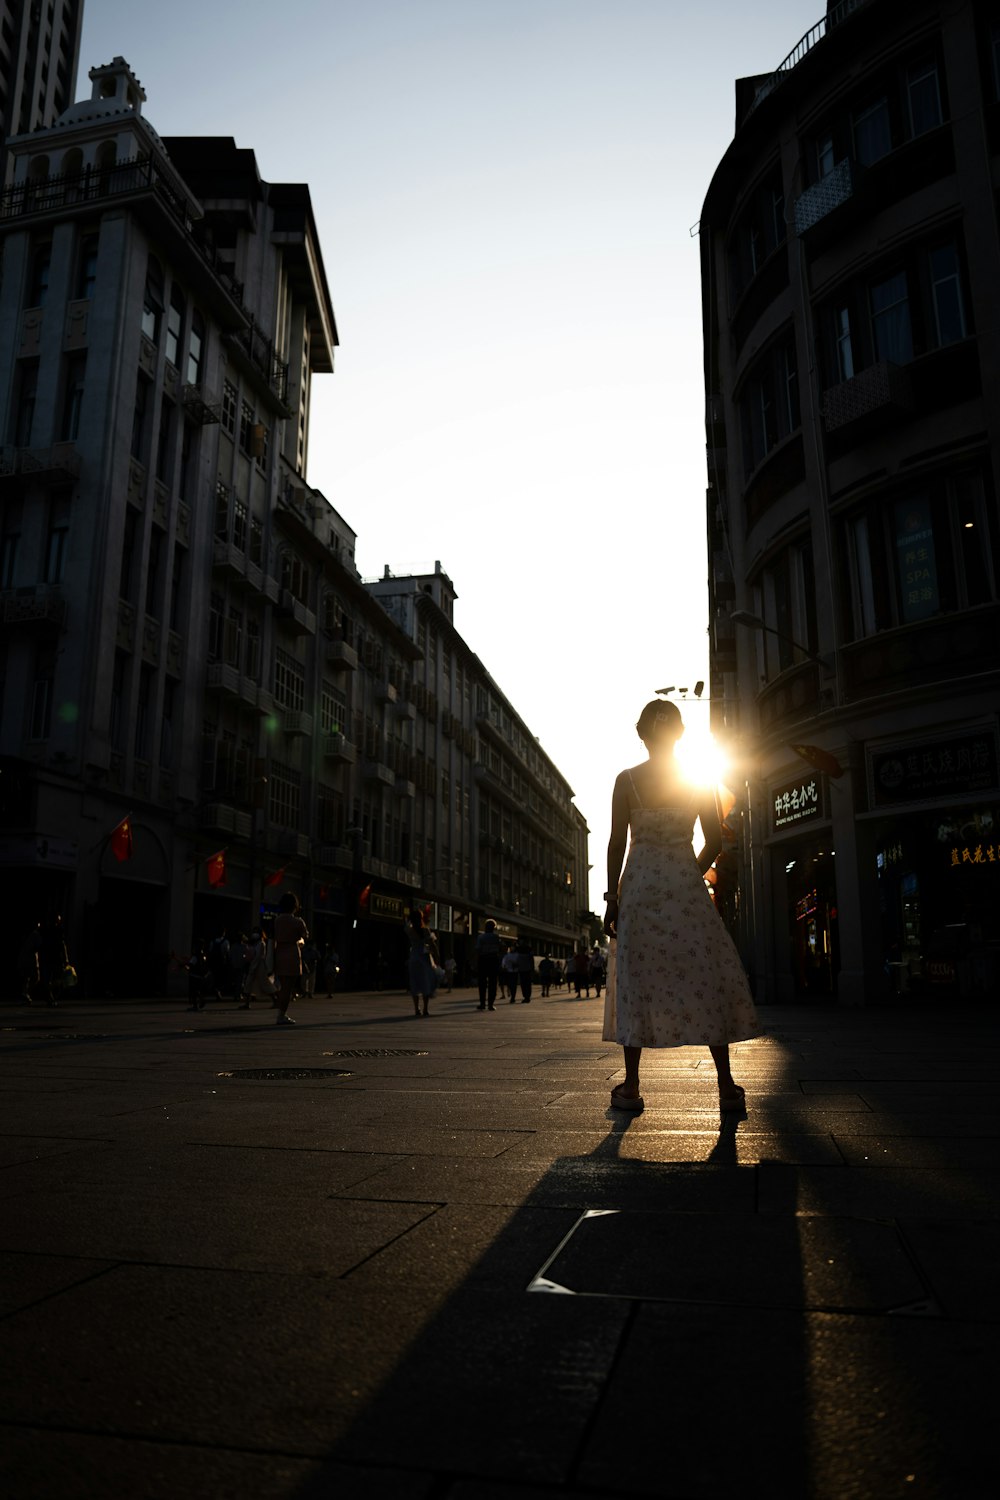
{"x": 798, "y": 802}
{"x": 979, "y": 854}
{"x": 952, "y": 766}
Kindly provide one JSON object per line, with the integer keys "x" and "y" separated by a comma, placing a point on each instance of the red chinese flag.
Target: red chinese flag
{"x": 216, "y": 868}
{"x": 324, "y": 893}
{"x": 364, "y": 898}
{"x": 277, "y": 877}
{"x": 121, "y": 840}
{"x": 427, "y": 912}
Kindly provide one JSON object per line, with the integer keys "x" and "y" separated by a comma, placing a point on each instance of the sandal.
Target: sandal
{"x": 633, "y": 1103}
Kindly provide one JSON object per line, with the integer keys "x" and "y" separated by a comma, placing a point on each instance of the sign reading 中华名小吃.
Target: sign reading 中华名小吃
{"x": 797, "y": 802}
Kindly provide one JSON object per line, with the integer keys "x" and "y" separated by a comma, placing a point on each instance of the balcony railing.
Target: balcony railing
{"x": 838, "y": 186}
{"x": 884, "y": 387}
{"x": 833, "y": 18}
{"x": 259, "y": 350}
{"x": 61, "y": 460}
{"x": 140, "y": 174}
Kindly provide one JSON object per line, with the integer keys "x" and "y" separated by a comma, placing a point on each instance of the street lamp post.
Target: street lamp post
{"x": 754, "y": 622}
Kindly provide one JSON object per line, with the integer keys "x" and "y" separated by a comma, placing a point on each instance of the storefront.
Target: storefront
{"x": 937, "y": 866}
{"x": 804, "y": 880}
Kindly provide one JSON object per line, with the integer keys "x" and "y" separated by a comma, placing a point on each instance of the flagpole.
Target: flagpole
{"x": 110, "y": 835}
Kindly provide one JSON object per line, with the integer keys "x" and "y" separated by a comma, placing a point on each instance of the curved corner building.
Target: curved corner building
{"x": 850, "y": 276}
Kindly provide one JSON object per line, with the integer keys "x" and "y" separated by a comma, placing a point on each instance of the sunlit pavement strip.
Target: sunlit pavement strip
{"x": 381, "y": 1255}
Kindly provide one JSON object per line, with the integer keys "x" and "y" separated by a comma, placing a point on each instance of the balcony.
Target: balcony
{"x": 404, "y": 787}
{"x": 199, "y": 406}
{"x": 222, "y": 678}
{"x": 335, "y": 857}
{"x": 228, "y": 561}
{"x": 295, "y": 614}
{"x": 263, "y": 362}
{"x": 340, "y": 657}
{"x": 145, "y": 178}
{"x": 32, "y": 608}
{"x": 296, "y": 844}
{"x": 838, "y": 187}
{"x": 883, "y": 391}
{"x": 57, "y": 464}
{"x": 338, "y": 749}
{"x": 385, "y": 692}
{"x": 374, "y": 770}
{"x": 219, "y": 816}
{"x": 295, "y": 723}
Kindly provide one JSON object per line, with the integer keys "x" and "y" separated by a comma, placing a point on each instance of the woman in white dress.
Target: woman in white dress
{"x": 674, "y": 976}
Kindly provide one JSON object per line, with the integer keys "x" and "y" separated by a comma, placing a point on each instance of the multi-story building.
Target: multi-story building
{"x": 850, "y": 259}
{"x": 495, "y": 830}
{"x": 186, "y": 644}
{"x": 162, "y": 314}
{"x": 39, "y": 55}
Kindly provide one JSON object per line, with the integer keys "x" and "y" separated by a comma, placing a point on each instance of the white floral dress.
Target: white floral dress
{"x": 674, "y": 976}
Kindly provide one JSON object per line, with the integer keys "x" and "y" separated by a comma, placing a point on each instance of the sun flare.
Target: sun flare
{"x": 702, "y": 760}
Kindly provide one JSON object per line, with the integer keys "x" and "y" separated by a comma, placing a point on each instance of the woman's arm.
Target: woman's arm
{"x": 711, "y": 827}
{"x": 616, "y": 849}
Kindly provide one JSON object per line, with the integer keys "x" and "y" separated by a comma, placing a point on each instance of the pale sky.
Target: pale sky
{"x": 504, "y": 191}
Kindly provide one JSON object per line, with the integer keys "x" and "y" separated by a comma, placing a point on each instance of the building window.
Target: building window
{"x": 40, "y": 713}
{"x": 233, "y": 644}
{"x": 769, "y": 405}
{"x": 152, "y": 302}
{"x": 167, "y": 723}
{"x": 196, "y": 346}
{"x": 946, "y": 295}
{"x": 23, "y": 416}
{"x": 283, "y": 785}
{"x": 126, "y": 582}
{"x": 175, "y": 327}
{"x": 923, "y": 97}
{"x": 139, "y": 417}
{"x": 86, "y": 267}
{"x": 239, "y": 523}
{"x": 925, "y": 553}
{"x": 892, "y": 338}
{"x": 289, "y": 682}
{"x": 38, "y": 280}
{"x": 116, "y": 721}
{"x": 872, "y": 132}
{"x": 143, "y": 711}
{"x": 295, "y": 577}
{"x": 55, "y": 542}
{"x": 222, "y": 511}
{"x": 164, "y": 442}
{"x": 8, "y": 552}
{"x": 256, "y": 542}
{"x": 845, "y": 351}
{"x": 785, "y": 599}
{"x": 76, "y": 371}
{"x": 230, "y": 397}
{"x": 176, "y": 585}
{"x": 252, "y": 667}
{"x": 246, "y": 426}
{"x": 760, "y": 230}
{"x": 153, "y": 562}
{"x": 216, "y": 626}
{"x": 333, "y": 710}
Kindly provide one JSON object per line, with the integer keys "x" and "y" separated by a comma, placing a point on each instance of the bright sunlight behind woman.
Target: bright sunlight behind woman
{"x": 701, "y": 759}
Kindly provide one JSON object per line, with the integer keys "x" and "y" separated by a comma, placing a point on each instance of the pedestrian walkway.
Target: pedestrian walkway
{"x": 404, "y": 1259}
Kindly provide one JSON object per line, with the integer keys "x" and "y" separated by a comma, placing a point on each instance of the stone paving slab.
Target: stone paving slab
{"x": 320, "y": 1288}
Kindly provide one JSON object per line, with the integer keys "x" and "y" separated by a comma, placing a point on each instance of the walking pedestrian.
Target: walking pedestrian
{"x": 421, "y": 963}
{"x": 290, "y": 933}
{"x": 488, "y": 964}
{"x": 27, "y": 964}
{"x": 525, "y": 961}
{"x": 331, "y": 968}
{"x": 508, "y": 974}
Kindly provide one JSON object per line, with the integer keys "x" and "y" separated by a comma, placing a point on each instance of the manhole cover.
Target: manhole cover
{"x": 379, "y": 1052}
{"x": 283, "y": 1074}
